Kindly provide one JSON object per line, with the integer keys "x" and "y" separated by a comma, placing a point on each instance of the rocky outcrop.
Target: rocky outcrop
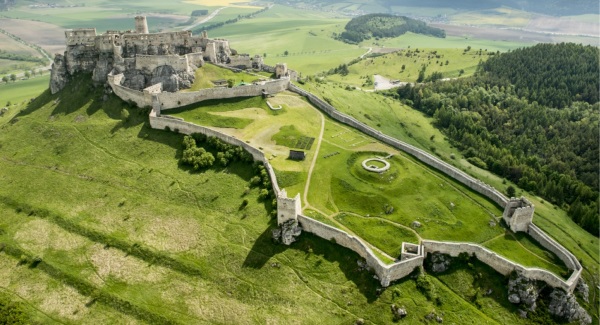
{"x": 287, "y": 232}
{"x": 440, "y": 262}
{"x": 523, "y": 291}
{"x": 583, "y": 290}
{"x": 58, "y": 74}
{"x": 398, "y": 312}
{"x": 564, "y": 305}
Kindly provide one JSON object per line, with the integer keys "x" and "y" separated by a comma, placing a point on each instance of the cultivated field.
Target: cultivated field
{"x": 48, "y": 36}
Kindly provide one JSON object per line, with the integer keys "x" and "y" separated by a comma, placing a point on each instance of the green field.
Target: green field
{"x": 391, "y": 201}
{"x": 23, "y": 90}
{"x": 459, "y": 63}
{"x": 121, "y": 232}
{"x": 100, "y": 224}
{"x": 413, "y": 127}
{"x": 306, "y": 35}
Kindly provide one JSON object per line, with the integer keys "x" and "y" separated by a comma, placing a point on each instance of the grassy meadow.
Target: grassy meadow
{"x": 101, "y": 224}
{"x": 305, "y": 35}
{"x": 20, "y": 91}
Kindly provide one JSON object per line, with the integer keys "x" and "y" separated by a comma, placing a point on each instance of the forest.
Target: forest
{"x": 530, "y": 116}
{"x": 385, "y": 25}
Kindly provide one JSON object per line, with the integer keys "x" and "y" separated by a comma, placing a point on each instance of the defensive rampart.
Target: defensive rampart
{"x": 174, "y": 100}
{"x": 178, "y": 125}
{"x": 422, "y": 155}
{"x": 151, "y": 62}
{"x": 495, "y": 261}
{"x": 169, "y": 100}
{"x": 563, "y": 254}
{"x": 385, "y": 273}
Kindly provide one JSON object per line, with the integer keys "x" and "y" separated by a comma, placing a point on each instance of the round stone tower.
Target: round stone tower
{"x": 141, "y": 25}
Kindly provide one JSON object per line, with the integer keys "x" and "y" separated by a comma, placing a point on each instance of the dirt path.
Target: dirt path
{"x": 211, "y": 16}
{"x": 312, "y": 165}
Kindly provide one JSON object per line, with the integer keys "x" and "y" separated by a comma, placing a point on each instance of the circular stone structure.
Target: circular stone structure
{"x": 374, "y": 169}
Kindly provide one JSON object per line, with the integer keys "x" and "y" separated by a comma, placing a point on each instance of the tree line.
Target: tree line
{"x": 548, "y": 146}
{"x": 385, "y": 25}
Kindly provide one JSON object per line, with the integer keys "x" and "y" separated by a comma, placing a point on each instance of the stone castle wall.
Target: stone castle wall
{"x": 422, "y": 155}
{"x": 151, "y": 62}
{"x": 495, "y": 261}
{"x": 174, "y": 100}
{"x": 563, "y": 254}
{"x": 178, "y": 125}
{"x": 386, "y": 273}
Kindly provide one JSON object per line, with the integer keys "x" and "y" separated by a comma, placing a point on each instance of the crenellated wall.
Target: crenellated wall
{"x": 563, "y": 254}
{"x": 170, "y": 100}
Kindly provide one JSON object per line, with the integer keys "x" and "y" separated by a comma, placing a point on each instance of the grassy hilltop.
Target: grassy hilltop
{"x": 101, "y": 224}
{"x": 98, "y": 215}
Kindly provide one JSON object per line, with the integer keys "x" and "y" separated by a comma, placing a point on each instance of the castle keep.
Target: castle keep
{"x": 144, "y": 58}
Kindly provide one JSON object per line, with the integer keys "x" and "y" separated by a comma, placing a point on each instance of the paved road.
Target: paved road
{"x": 211, "y": 16}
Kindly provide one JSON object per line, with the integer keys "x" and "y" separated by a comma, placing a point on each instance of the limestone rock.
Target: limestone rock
{"x": 440, "y": 262}
{"x": 398, "y": 312}
{"x": 565, "y": 306}
{"x": 514, "y": 298}
{"x": 522, "y": 290}
{"x": 287, "y": 232}
{"x": 58, "y": 74}
{"x": 415, "y": 224}
{"x": 3, "y": 110}
{"x": 359, "y": 321}
{"x": 102, "y": 69}
{"x": 583, "y": 289}
{"x": 522, "y": 313}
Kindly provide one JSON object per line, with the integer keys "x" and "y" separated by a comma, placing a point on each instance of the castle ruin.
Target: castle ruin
{"x": 144, "y": 58}
{"x": 149, "y": 69}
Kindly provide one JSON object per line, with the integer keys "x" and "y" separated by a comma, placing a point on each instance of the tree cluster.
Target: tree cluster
{"x": 21, "y": 57}
{"x": 385, "y": 25}
{"x": 552, "y": 75}
{"x": 196, "y": 155}
{"x": 550, "y": 149}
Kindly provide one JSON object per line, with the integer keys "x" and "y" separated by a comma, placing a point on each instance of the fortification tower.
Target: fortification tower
{"x": 141, "y": 25}
{"x": 518, "y": 214}
{"x": 287, "y": 209}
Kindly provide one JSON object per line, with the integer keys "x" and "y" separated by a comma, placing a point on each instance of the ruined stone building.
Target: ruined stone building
{"x": 143, "y": 58}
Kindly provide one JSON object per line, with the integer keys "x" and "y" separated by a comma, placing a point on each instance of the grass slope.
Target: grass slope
{"x": 120, "y": 231}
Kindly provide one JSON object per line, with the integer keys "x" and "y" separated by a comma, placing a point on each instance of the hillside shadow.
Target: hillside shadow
{"x": 265, "y": 248}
